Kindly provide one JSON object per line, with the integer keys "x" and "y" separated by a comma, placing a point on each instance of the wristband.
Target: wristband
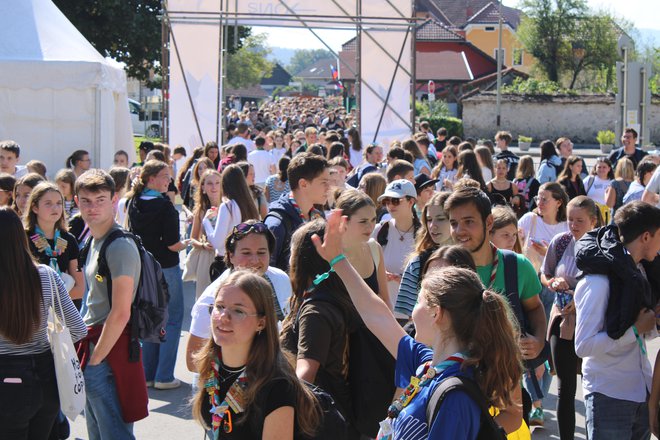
{"x": 639, "y": 339}
{"x": 337, "y": 259}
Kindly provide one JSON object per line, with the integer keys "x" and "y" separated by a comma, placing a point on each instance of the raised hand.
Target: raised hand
{"x": 331, "y": 246}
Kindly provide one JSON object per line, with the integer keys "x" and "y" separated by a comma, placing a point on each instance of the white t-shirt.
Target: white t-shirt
{"x": 486, "y": 173}
{"x": 542, "y": 231}
{"x": 395, "y": 252}
{"x": 249, "y": 143}
{"x": 654, "y": 184}
{"x": 355, "y": 157}
{"x": 262, "y": 160}
{"x": 200, "y": 325}
{"x": 277, "y": 154}
{"x": 21, "y": 170}
{"x": 229, "y": 215}
{"x": 597, "y": 190}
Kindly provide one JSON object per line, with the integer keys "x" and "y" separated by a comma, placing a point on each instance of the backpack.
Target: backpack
{"x": 488, "y": 429}
{"x": 370, "y": 371}
{"x": 149, "y": 308}
{"x": 363, "y": 169}
{"x": 333, "y": 426}
{"x": 282, "y": 260}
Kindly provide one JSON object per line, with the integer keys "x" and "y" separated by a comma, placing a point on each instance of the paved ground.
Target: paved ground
{"x": 170, "y": 416}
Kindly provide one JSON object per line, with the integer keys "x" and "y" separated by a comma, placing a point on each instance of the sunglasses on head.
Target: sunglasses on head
{"x": 392, "y": 201}
{"x": 246, "y": 228}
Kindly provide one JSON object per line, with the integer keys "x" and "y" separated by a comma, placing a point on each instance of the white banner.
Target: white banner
{"x": 386, "y": 46}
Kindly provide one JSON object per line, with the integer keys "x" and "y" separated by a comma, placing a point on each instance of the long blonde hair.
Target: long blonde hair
{"x": 266, "y": 360}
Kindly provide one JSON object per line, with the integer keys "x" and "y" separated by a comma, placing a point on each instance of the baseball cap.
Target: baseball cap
{"x": 399, "y": 189}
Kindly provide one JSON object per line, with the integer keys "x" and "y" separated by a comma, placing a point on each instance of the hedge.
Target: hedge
{"x": 453, "y": 125}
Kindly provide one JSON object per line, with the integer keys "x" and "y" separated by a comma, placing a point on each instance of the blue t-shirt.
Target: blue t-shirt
{"x": 459, "y": 416}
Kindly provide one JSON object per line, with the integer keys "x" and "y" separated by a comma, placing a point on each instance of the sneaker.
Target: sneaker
{"x": 150, "y": 384}
{"x": 176, "y": 383}
{"x": 536, "y": 417}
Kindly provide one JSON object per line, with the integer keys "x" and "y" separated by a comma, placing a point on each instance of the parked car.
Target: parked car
{"x": 144, "y": 123}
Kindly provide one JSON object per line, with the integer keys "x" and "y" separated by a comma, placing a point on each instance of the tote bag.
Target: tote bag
{"x": 70, "y": 379}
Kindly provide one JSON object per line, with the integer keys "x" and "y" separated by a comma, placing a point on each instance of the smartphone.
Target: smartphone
{"x": 535, "y": 241}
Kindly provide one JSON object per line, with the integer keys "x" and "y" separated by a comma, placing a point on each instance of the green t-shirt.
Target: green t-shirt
{"x": 529, "y": 284}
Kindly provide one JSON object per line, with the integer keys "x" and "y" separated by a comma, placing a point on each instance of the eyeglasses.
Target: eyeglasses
{"x": 538, "y": 199}
{"x": 246, "y": 228}
{"x": 233, "y": 314}
{"x": 391, "y": 201}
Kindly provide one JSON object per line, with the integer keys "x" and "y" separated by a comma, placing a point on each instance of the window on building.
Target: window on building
{"x": 490, "y": 28}
{"x": 518, "y": 57}
{"x": 503, "y": 55}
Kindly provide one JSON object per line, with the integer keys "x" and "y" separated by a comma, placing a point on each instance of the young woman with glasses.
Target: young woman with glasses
{"x": 248, "y": 247}
{"x": 247, "y": 387}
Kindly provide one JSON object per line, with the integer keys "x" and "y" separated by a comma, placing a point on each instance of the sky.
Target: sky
{"x": 644, "y": 14}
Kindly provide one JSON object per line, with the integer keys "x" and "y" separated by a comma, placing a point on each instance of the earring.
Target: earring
{"x": 259, "y": 332}
{"x": 434, "y": 316}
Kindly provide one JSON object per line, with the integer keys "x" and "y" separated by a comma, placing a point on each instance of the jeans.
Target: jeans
{"x": 102, "y": 410}
{"x": 29, "y": 401}
{"x": 159, "y": 359}
{"x": 616, "y": 419}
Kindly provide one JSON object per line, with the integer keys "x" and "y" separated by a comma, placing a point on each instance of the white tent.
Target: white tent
{"x": 57, "y": 93}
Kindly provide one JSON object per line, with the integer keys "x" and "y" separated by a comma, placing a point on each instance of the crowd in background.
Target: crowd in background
{"x": 320, "y": 260}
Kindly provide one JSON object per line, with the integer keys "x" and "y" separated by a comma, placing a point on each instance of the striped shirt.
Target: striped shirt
{"x": 407, "y": 297}
{"x": 39, "y": 342}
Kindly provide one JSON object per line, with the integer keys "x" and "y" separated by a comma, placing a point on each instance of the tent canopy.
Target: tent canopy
{"x": 57, "y": 93}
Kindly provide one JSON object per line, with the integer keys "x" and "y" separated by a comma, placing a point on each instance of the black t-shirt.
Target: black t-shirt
{"x": 63, "y": 260}
{"x": 276, "y": 393}
{"x": 620, "y": 153}
{"x": 156, "y": 222}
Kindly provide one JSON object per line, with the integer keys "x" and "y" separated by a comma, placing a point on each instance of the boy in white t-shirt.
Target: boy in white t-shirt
{"x": 262, "y": 161}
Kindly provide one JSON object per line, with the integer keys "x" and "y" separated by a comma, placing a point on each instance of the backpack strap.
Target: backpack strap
{"x": 102, "y": 262}
{"x": 381, "y": 237}
{"x": 510, "y": 262}
{"x": 466, "y": 385}
{"x": 562, "y": 243}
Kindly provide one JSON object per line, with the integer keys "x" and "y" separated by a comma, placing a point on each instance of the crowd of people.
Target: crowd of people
{"x": 431, "y": 288}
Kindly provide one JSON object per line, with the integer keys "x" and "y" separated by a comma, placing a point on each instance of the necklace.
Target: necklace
{"x": 402, "y": 236}
{"x": 416, "y": 384}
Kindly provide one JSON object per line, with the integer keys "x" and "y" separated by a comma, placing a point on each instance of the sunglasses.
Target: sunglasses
{"x": 246, "y": 228}
{"x": 391, "y": 201}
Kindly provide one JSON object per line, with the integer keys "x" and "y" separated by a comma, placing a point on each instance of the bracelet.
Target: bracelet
{"x": 639, "y": 339}
{"x": 337, "y": 259}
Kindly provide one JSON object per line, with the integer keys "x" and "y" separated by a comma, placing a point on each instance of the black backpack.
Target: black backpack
{"x": 370, "y": 371}
{"x": 333, "y": 426}
{"x": 149, "y": 308}
{"x": 489, "y": 429}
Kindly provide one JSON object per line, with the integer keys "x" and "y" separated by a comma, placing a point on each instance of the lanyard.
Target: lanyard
{"x": 493, "y": 271}
{"x": 234, "y": 400}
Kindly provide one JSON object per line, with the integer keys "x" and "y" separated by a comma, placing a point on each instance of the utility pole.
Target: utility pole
{"x": 499, "y": 68}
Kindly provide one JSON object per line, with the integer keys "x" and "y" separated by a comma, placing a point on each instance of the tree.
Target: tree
{"x": 547, "y": 29}
{"x": 594, "y": 46}
{"x": 128, "y": 30}
{"x": 303, "y": 58}
{"x": 248, "y": 65}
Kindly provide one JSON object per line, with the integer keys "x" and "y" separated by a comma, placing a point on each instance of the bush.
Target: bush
{"x": 606, "y": 137}
{"x": 534, "y": 86}
{"x": 453, "y": 125}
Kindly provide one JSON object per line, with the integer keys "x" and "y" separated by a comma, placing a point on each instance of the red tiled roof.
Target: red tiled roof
{"x": 433, "y": 30}
{"x": 253, "y": 91}
{"x": 459, "y": 11}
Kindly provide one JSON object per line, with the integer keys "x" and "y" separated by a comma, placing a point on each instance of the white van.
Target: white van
{"x": 148, "y": 124}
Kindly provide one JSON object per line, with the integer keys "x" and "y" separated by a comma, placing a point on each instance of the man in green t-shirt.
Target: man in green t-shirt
{"x": 471, "y": 221}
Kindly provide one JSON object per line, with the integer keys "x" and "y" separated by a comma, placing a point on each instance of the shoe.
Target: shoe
{"x": 176, "y": 383}
{"x": 150, "y": 384}
{"x": 536, "y": 417}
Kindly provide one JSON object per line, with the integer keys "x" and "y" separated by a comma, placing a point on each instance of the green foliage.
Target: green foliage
{"x": 428, "y": 109}
{"x": 129, "y": 31}
{"x": 248, "y": 65}
{"x": 453, "y": 125}
{"x": 522, "y": 138}
{"x": 306, "y": 89}
{"x": 532, "y": 86}
{"x": 566, "y": 38}
{"x": 606, "y": 137}
{"x": 303, "y": 58}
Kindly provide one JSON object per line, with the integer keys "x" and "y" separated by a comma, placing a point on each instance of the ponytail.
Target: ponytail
{"x": 483, "y": 323}
{"x": 74, "y": 158}
{"x": 150, "y": 169}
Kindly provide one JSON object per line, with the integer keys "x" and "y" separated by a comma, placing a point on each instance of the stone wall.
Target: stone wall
{"x": 548, "y": 117}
